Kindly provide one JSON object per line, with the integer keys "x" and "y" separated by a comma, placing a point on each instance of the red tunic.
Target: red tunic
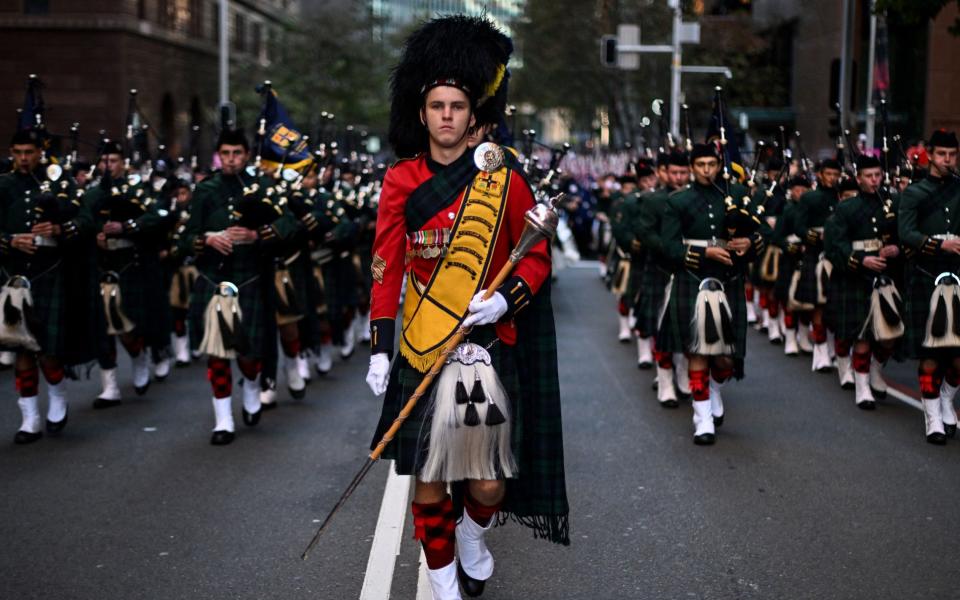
{"x": 392, "y": 244}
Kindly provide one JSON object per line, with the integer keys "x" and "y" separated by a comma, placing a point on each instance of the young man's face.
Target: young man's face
{"x": 829, "y": 177}
{"x": 447, "y": 115}
{"x": 678, "y": 176}
{"x": 113, "y": 164}
{"x": 183, "y": 196}
{"x": 648, "y": 182}
{"x": 869, "y": 179}
{"x": 233, "y": 157}
{"x": 705, "y": 169}
{"x": 797, "y": 191}
{"x": 942, "y": 160}
{"x": 26, "y": 157}
{"x": 663, "y": 174}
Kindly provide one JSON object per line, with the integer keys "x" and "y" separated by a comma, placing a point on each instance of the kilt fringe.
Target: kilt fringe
{"x": 884, "y": 321}
{"x": 17, "y": 305}
{"x": 469, "y": 434}
{"x": 943, "y": 322}
{"x": 712, "y": 322}
{"x": 117, "y": 321}
{"x": 223, "y": 335}
{"x": 770, "y": 265}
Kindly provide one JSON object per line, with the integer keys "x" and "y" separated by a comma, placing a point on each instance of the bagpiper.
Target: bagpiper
{"x": 42, "y": 221}
{"x": 929, "y": 226}
{"x": 796, "y": 318}
{"x": 236, "y": 227}
{"x": 860, "y": 240}
{"x": 448, "y": 222}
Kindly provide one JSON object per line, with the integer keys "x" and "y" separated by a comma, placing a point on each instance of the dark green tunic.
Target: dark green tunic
{"x": 863, "y": 217}
{"x": 698, "y": 213}
{"x": 654, "y": 274}
{"x": 928, "y": 208}
{"x": 250, "y": 267}
{"x": 46, "y": 269}
{"x": 785, "y": 236}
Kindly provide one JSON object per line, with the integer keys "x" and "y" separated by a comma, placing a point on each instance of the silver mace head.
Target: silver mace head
{"x": 540, "y": 224}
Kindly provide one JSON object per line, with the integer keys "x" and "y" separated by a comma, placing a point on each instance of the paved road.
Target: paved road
{"x": 803, "y": 496}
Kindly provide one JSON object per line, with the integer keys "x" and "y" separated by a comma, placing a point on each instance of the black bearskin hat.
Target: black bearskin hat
{"x": 232, "y": 137}
{"x": 469, "y": 53}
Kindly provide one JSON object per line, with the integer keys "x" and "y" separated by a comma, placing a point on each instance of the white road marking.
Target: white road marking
{"x": 386, "y": 538}
{"x": 905, "y": 398}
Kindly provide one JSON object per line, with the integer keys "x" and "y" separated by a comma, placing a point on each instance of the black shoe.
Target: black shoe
{"x": 644, "y": 366}
{"x": 669, "y": 404}
{"x": 251, "y": 419}
{"x": 685, "y": 397}
{"x": 878, "y": 394}
{"x": 951, "y": 430}
{"x": 104, "y": 403}
{"x": 141, "y": 390}
{"x": 718, "y": 421}
{"x": 57, "y": 427}
{"x": 777, "y": 341}
{"x": 298, "y": 394}
{"x": 825, "y": 370}
{"x": 937, "y": 439}
{"x": 848, "y": 386}
{"x": 181, "y": 364}
{"x": 221, "y": 438}
{"x": 267, "y": 406}
{"x": 706, "y": 439}
{"x": 867, "y": 405}
{"x": 25, "y": 437}
{"x": 320, "y": 372}
{"x": 471, "y": 587}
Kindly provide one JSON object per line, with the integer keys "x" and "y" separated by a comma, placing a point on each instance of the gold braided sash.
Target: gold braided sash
{"x": 432, "y": 315}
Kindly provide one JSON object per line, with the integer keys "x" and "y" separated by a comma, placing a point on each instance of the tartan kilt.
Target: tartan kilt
{"x": 650, "y": 295}
{"x": 145, "y": 299}
{"x": 676, "y": 331}
{"x": 47, "y": 289}
{"x": 247, "y": 271}
{"x": 342, "y": 286}
{"x": 788, "y": 264}
{"x": 807, "y": 285}
{"x": 632, "y": 289}
{"x": 410, "y": 446}
{"x": 304, "y": 283}
{"x": 850, "y": 304}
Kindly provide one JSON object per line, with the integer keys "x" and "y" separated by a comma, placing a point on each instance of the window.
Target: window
{"x": 239, "y": 32}
{"x": 36, "y": 7}
{"x": 256, "y": 39}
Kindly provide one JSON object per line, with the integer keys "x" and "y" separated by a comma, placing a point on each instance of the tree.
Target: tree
{"x": 915, "y": 12}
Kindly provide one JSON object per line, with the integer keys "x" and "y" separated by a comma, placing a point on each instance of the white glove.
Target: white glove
{"x": 379, "y": 373}
{"x": 484, "y": 312}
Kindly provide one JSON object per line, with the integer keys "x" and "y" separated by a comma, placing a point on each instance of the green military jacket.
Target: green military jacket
{"x": 648, "y": 221}
{"x": 929, "y": 208}
{"x": 816, "y": 206}
{"x": 132, "y": 204}
{"x": 624, "y": 214}
{"x": 863, "y": 218}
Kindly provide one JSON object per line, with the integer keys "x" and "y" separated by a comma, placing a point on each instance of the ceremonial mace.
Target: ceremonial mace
{"x": 540, "y": 224}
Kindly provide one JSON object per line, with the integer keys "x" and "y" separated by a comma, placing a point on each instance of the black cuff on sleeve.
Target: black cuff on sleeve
{"x": 855, "y": 262}
{"x": 694, "y": 257}
{"x": 517, "y": 294}
{"x": 813, "y": 237}
{"x": 759, "y": 243}
{"x": 267, "y": 233}
{"x": 931, "y": 246}
{"x": 131, "y": 226}
{"x": 381, "y": 336}
{"x": 5, "y": 243}
{"x": 69, "y": 230}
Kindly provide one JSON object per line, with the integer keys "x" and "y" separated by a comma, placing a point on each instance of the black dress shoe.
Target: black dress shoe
{"x": 867, "y": 405}
{"x": 718, "y": 421}
{"x": 951, "y": 430}
{"x": 825, "y": 370}
{"x": 25, "y": 437}
{"x": 705, "y": 439}
{"x": 181, "y": 364}
{"x": 142, "y": 389}
{"x": 104, "y": 403}
{"x": 57, "y": 426}
{"x": 298, "y": 394}
{"x": 471, "y": 587}
{"x": 848, "y": 386}
{"x": 669, "y": 404}
{"x": 937, "y": 439}
{"x": 684, "y": 396}
{"x": 221, "y": 438}
{"x": 644, "y": 366}
{"x": 878, "y": 394}
{"x": 251, "y": 419}
{"x": 267, "y": 405}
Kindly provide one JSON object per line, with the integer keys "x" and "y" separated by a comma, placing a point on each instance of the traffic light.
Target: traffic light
{"x": 608, "y": 51}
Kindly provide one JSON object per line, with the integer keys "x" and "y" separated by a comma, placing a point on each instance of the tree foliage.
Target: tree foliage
{"x": 915, "y": 12}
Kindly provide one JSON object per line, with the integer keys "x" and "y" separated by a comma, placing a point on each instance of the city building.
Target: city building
{"x": 90, "y": 53}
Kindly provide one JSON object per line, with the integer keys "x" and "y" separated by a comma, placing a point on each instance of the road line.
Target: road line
{"x": 903, "y": 397}
{"x": 386, "y": 538}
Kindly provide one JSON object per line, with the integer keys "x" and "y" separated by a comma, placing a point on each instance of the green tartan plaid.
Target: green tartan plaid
{"x": 919, "y": 283}
{"x": 676, "y": 331}
{"x": 788, "y": 264}
{"x": 850, "y": 300}
{"x": 650, "y": 296}
{"x": 254, "y": 276}
{"x": 145, "y": 299}
{"x": 46, "y": 322}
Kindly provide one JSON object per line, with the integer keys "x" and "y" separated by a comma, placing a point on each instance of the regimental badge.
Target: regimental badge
{"x": 377, "y": 267}
{"x": 488, "y": 157}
